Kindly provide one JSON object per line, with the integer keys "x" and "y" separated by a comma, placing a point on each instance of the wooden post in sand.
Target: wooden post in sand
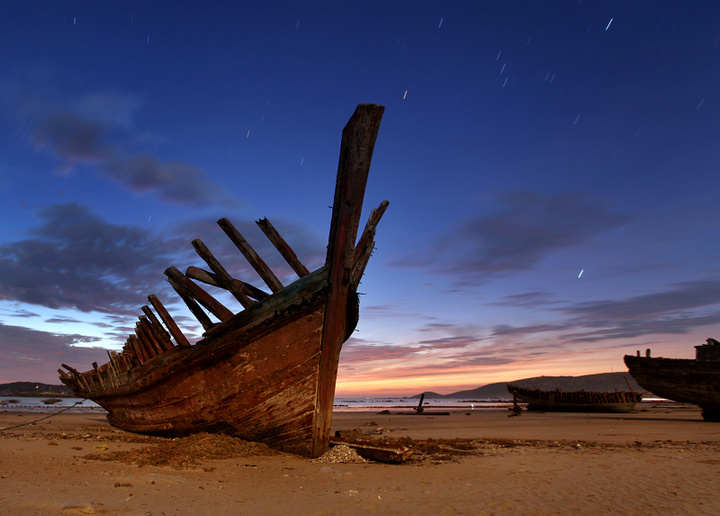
{"x": 420, "y": 408}
{"x": 516, "y": 408}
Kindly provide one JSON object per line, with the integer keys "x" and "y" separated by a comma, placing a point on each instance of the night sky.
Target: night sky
{"x": 552, "y": 172}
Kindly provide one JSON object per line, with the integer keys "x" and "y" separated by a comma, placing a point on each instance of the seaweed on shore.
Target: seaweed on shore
{"x": 187, "y": 452}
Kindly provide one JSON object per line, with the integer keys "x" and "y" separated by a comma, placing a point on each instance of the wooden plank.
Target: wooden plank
{"x": 160, "y": 333}
{"x": 144, "y": 326}
{"x": 186, "y": 287}
{"x": 267, "y": 275}
{"x": 193, "y": 306}
{"x": 139, "y": 351}
{"x": 111, "y": 369}
{"x": 368, "y": 233}
{"x": 222, "y": 276}
{"x": 210, "y": 278}
{"x": 366, "y": 244}
{"x": 145, "y": 342}
{"x": 169, "y": 321}
{"x": 98, "y": 375}
{"x": 71, "y": 369}
{"x": 297, "y": 293}
{"x": 283, "y": 247}
{"x": 356, "y": 149}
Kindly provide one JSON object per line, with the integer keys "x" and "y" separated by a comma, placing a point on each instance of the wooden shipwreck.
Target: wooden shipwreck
{"x": 265, "y": 373}
{"x": 686, "y": 380}
{"x": 575, "y": 401}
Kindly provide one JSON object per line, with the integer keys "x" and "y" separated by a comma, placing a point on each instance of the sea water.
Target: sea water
{"x": 370, "y": 404}
{"x": 51, "y": 404}
{"x": 48, "y": 404}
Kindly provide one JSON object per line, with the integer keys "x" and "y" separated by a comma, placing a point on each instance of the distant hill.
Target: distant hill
{"x": 33, "y": 389}
{"x": 591, "y": 382}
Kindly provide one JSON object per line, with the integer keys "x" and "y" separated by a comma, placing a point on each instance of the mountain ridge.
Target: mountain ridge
{"x": 602, "y": 382}
{"x": 34, "y": 389}
{"x": 592, "y": 382}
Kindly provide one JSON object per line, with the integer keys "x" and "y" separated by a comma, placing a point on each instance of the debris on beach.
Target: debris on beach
{"x": 187, "y": 452}
{"x": 341, "y": 454}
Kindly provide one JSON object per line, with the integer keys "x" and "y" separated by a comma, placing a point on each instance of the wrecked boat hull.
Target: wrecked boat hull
{"x": 267, "y": 372}
{"x": 685, "y": 380}
{"x": 576, "y": 401}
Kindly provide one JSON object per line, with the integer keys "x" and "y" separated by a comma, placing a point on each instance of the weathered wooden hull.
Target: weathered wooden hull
{"x": 683, "y": 380}
{"x": 256, "y": 387}
{"x": 576, "y": 401}
{"x": 268, "y": 372}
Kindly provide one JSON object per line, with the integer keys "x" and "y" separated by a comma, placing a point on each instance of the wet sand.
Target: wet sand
{"x": 661, "y": 460}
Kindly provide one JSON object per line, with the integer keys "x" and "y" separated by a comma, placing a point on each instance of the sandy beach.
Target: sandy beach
{"x": 663, "y": 460}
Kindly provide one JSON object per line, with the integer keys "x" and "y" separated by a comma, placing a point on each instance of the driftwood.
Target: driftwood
{"x": 377, "y": 451}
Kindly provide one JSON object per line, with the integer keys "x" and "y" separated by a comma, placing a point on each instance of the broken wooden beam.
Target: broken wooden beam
{"x": 376, "y": 451}
{"x": 257, "y": 263}
{"x": 222, "y": 276}
{"x": 162, "y": 335}
{"x": 283, "y": 247}
{"x": 168, "y": 320}
{"x": 190, "y": 291}
{"x": 210, "y": 278}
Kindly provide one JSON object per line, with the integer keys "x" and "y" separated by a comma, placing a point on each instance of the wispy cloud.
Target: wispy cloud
{"x": 680, "y": 296}
{"x": 631, "y": 329}
{"x": 171, "y": 181}
{"x": 678, "y": 309}
{"x": 98, "y": 129}
{"x": 72, "y": 138}
{"x": 32, "y": 355}
{"x": 525, "y": 229}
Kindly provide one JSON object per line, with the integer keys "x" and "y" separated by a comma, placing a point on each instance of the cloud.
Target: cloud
{"x": 682, "y": 296}
{"x": 527, "y": 228}
{"x": 531, "y": 299}
{"x": 361, "y": 351}
{"x": 172, "y": 181}
{"x": 355, "y": 352}
{"x": 111, "y": 108}
{"x": 97, "y": 129}
{"x": 453, "y": 342}
{"x": 32, "y": 355}
{"x": 630, "y": 329}
{"x": 73, "y": 139}
{"x": 677, "y": 310}
{"x": 533, "y": 329}
{"x": 77, "y": 260}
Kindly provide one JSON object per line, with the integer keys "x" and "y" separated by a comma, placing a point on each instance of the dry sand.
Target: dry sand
{"x": 662, "y": 460}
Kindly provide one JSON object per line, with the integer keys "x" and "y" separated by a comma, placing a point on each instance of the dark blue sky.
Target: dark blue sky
{"x": 551, "y": 167}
